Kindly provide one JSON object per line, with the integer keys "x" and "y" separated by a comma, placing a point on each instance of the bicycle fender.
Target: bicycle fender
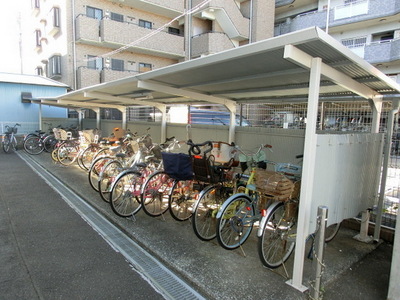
{"x": 270, "y": 209}
{"x": 228, "y": 201}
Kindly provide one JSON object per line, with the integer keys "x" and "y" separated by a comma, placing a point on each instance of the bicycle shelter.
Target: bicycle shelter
{"x": 340, "y": 171}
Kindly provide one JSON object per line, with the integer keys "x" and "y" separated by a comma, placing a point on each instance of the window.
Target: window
{"x": 143, "y": 67}
{"x": 116, "y": 17}
{"x": 38, "y": 36}
{"x": 145, "y": 24}
{"x": 117, "y": 64}
{"x": 54, "y": 66}
{"x": 94, "y": 62}
{"x": 39, "y": 71}
{"x": 172, "y": 30}
{"x": 56, "y": 17}
{"x": 94, "y": 13}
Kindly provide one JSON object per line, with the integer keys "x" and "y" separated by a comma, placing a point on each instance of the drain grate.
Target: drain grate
{"x": 164, "y": 280}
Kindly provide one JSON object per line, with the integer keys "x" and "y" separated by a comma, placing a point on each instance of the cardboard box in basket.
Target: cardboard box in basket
{"x": 222, "y": 152}
{"x": 274, "y": 184}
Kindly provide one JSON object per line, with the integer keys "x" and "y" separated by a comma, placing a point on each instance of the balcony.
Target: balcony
{"x": 209, "y": 43}
{"x": 228, "y": 15}
{"x": 87, "y": 77}
{"x": 107, "y": 75}
{"x": 382, "y": 52}
{"x": 170, "y": 8}
{"x": 116, "y": 34}
{"x": 87, "y": 29}
{"x": 342, "y": 15}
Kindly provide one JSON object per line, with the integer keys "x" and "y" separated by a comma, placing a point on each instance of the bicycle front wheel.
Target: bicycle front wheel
{"x": 6, "y": 144}
{"x": 88, "y": 155}
{"x": 95, "y": 169}
{"x": 204, "y": 218}
{"x": 182, "y": 199}
{"x": 107, "y": 177}
{"x": 155, "y": 193}
{"x": 50, "y": 143}
{"x": 278, "y": 237}
{"x": 125, "y": 194}
{"x": 33, "y": 145}
{"x": 235, "y": 222}
{"x": 68, "y": 153}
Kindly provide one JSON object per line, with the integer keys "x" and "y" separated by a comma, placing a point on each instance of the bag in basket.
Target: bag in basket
{"x": 178, "y": 165}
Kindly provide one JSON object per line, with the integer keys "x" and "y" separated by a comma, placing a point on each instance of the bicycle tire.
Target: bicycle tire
{"x": 106, "y": 178}
{"x": 50, "y": 143}
{"x": 87, "y": 156}
{"x": 155, "y": 193}
{"x": 6, "y": 144}
{"x": 67, "y": 153}
{"x": 205, "y": 212}
{"x": 278, "y": 236}
{"x": 331, "y": 231}
{"x": 33, "y": 145}
{"x": 182, "y": 199}
{"x": 125, "y": 194}
{"x": 95, "y": 170}
{"x": 235, "y": 221}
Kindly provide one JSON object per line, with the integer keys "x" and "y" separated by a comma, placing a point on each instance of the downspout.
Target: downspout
{"x": 251, "y": 22}
{"x": 74, "y": 46}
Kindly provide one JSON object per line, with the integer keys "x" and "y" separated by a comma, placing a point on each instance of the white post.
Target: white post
{"x": 394, "y": 286}
{"x": 307, "y": 181}
{"x": 163, "y": 109}
{"x": 385, "y": 167}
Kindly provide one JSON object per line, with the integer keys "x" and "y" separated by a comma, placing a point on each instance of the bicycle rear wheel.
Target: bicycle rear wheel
{"x": 204, "y": 218}
{"x": 155, "y": 193}
{"x": 182, "y": 199}
{"x": 125, "y": 194}
{"x": 331, "y": 231}
{"x": 235, "y": 222}
{"x": 33, "y": 145}
{"x": 278, "y": 238}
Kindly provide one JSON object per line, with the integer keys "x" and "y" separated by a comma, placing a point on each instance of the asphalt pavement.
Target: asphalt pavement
{"x": 50, "y": 251}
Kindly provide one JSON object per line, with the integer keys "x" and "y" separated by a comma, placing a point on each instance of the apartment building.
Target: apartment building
{"x": 371, "y": 28}
{"x": 87, "y": 42}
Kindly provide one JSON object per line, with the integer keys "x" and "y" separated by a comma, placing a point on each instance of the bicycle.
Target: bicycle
{"x": 128, "y": 190}
{"x": 278, "y": 226}
{"x": 215, "y": 185}
{"x": 9, "y": 140}
{"x": 237, "y": 215}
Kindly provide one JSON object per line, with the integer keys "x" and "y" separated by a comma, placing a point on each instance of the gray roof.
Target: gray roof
{"x": 276, "y": 69}
{"x": 29, "y": 79}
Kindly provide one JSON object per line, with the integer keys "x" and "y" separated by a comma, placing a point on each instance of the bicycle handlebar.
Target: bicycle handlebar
{"x": 195, "y": 148}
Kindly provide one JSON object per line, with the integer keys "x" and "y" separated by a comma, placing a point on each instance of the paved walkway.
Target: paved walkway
{"x": 47, "y": 251}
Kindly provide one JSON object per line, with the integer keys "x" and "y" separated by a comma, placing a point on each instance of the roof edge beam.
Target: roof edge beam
{"x": 302, "y": 59}
{"x": 132, "y": 101}
{"x": 87, "y": 105}
{"x": 185, "y": 93}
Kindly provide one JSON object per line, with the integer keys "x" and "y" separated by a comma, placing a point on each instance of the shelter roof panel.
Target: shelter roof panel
{"x": 249, "y": 73}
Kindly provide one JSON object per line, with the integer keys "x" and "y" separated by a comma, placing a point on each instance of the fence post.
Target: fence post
{"x": 318, "y": 257}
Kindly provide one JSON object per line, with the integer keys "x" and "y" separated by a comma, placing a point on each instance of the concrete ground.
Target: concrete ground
{"x": 49, "y": 252}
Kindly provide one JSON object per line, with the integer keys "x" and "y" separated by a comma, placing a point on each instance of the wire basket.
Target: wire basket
{"x": 273, "y": 184}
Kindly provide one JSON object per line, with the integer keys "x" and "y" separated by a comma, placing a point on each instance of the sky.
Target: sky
{"x": 10, "y": 34}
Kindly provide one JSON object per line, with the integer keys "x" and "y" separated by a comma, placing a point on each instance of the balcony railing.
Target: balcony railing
{"x": 107, "y": 75}
{"x": 341, "y": 15}
{"x": 383, "y": 51}
{"x": 170, "y": 8}
{"x": 141, "y": 39}
{"x": 87, "y": 77}
{"x": 209, "y": 43}
{"x": 87, "y": 29}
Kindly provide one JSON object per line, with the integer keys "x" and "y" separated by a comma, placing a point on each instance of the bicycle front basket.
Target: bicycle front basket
{"x": 178, "y": 165}
{"x": 15, "y": 130}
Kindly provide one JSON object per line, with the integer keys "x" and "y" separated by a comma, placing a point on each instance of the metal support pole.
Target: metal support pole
{"x": 363, "y": 235}
{"x": 319, "y": 244}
